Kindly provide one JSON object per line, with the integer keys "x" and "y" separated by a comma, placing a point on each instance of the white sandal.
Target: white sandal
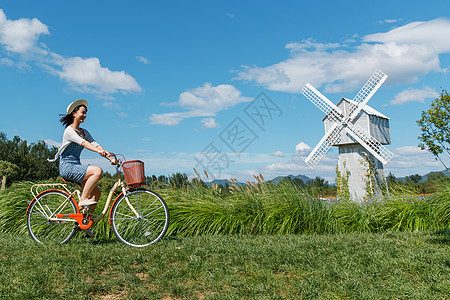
{"x": 86, "y": 202}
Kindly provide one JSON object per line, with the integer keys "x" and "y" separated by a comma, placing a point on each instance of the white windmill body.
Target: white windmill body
{"x": 353, "y": 157}
{"x": 360, "y": 133}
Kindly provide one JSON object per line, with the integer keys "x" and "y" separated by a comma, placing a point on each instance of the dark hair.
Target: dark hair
{"x": 66, "y": 120}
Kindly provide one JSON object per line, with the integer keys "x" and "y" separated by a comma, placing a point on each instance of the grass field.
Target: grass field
{"x": 259, "y": 242}
{"x": 392, "y": 265}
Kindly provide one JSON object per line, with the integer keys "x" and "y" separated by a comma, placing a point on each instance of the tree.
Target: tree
{"x": 163, "y": 179}
{"x": 318, "y": 183}
{"x": 178, "y": 180}
{"x": 435, "y": 127}
{"x": 416, "y": 178}
{"x": 435, "y": 176}
{"x": 298, "y": 182}
{"x": 9, "y": 170}
{"x": 31, "y": 159}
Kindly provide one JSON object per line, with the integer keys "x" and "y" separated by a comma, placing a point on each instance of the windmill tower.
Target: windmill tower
{"x": 360, "y": 133}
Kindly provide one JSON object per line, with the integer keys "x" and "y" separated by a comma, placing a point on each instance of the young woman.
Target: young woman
{"x": 75, "y": 139}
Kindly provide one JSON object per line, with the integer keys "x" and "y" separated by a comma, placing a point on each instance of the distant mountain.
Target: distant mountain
{"x": 222, "y": 182}
{"x": 305, "y": 179}
{"x": 277, "y": 180}
{"x": 425, "y": 177}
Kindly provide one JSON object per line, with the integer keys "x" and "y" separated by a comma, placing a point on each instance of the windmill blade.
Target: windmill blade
{"x": 331, "y": 137}
{"x": 367, "y": 91}
{"x": 370, "y": 143}
{"x": 319, "y": 100}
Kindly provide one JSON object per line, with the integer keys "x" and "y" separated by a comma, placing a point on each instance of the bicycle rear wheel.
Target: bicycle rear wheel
{"x": 142, "y": 220}
{"x": 40, "y": 225}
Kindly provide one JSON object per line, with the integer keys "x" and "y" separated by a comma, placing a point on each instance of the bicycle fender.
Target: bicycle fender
{"x": 117, "y": 198}
{"x": 50, "y": 190}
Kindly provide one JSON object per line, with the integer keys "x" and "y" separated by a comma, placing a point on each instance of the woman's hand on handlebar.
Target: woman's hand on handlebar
{"x": 112, "y": 158}
{"x": 104, "y": 153}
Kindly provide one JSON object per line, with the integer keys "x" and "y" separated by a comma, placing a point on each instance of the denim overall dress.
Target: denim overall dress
{"x": 70, "y": 166}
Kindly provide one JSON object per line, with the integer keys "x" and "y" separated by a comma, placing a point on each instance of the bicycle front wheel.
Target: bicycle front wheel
{"x": 140, "y": 218}
{"x": 42, "y": 224}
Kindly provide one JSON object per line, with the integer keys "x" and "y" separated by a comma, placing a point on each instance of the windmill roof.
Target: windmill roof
{"x": 369, "y": 110}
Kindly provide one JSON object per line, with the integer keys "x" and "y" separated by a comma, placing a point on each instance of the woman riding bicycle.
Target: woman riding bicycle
{"x": 75, "y": 139}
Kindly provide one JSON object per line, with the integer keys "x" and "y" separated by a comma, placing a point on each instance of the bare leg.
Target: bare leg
{"x": 95, "y": 196}
{"x": 90, "y": 189}
{"x": 93, "y": 175}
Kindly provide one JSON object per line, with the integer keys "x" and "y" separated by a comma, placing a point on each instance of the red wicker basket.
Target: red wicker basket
{"x": 134, "y": 173}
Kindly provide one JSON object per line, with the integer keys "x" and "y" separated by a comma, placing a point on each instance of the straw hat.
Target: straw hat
{"x": 74, "y": 105}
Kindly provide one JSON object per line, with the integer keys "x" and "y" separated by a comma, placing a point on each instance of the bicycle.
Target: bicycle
{"x": 138, "y": 216}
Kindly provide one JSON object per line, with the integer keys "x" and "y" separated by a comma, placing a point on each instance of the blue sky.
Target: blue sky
{"x": 168, "y": 81}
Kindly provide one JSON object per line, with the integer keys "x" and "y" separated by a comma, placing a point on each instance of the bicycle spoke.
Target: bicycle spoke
{"x": 150, "y": 206}
{"x": 49, "y": 204}
{"x": 156, "y": 209}
{"x": 148, "y": 227}
{"x": 126, "y": 215}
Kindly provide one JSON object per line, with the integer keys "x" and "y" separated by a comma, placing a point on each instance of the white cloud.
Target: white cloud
{"x": 143, "y": 60}
{"x": 409, "y": 151}
{"x": 204, "y": 101}
{"x": 310, "y": 44}
{"x": 294, "y": 164}
{"x": 122, "y": 114}
{"x": 302, "y": 148}
{"x": 210, "y": 123}
{"x": 432, "y": 33}
{"x": 278, "y": 154}
{"x": 403, "y": 53}
{"x": 229, "y": 15}
{"x": 285, "y": 167}
{"x": 6, "y": 61}
{"x": 410, "y": 160}
{"x": 168, "y": 119}
{"x": 82, "y": 74}
{"x": 414, "y": 95}
{"x": 20, "y": 35}
{"x": 388, "y": 21}
{"x": 87, "y": 75}
{"x": 211, "y": 99}
{"x": 326, "y": 169}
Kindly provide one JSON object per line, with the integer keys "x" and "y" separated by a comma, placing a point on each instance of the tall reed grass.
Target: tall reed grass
{"x": 14, "y": 202}
{"x": 285, "y": 208}
{"x": 263, "y": 208}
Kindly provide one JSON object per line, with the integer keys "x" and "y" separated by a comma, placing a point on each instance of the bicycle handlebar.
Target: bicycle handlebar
{"x": 117, "y": 161}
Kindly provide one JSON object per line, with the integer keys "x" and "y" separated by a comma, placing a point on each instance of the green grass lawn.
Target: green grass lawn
{"x": 390, "y": 265}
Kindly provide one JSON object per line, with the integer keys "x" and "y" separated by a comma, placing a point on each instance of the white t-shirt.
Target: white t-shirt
{"x": 71, "y": 136}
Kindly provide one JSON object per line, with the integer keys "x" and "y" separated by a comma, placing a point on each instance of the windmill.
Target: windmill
{"x": 352, "y": 126}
